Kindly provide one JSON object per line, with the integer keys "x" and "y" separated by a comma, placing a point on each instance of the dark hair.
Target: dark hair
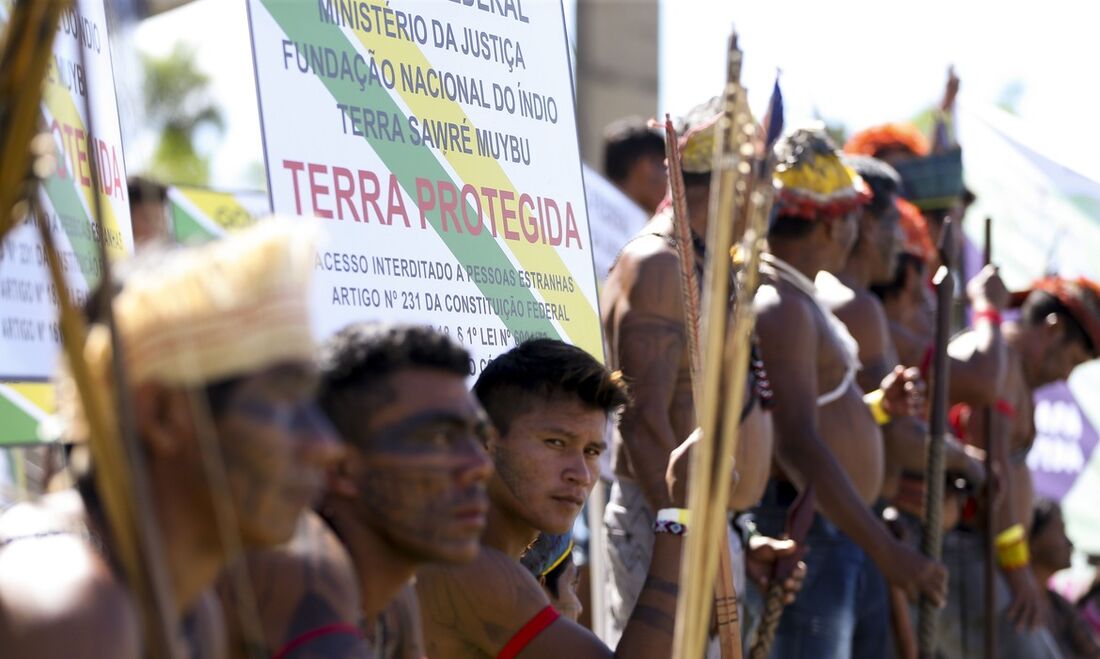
{"x": 627, "y": 141}
{"x": 786, "y": 226}
{"x": 553, "y": 577}
{"x": 1040, "y": 304}
{"x": 880, "y": 177}
{"x": 1045, "y": 511}
{"x": 696, "y": 179}
{"x": 893, "y": 288}
{"x": 360, "y": 358}
{"x": 546, "y": 369}
{"x": 141, "y": 189}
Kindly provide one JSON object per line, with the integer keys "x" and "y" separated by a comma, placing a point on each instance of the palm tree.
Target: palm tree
{"x": 177, "y": 101}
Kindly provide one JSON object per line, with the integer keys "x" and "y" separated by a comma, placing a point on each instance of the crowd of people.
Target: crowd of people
{"x": 360, "y": 499}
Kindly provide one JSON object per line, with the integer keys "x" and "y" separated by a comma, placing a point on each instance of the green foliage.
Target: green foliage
{"x": 178, "y": 104}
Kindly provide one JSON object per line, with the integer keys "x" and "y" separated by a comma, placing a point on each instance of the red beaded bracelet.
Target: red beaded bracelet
{"x": 990, "y": 314}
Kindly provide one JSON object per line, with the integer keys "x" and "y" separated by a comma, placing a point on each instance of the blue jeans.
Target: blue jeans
{"x": 962, "y": 622}
{"x": 842, "y": 611}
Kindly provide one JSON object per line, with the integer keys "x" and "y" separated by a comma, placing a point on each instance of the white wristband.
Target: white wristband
{"x": 678, "y": 515}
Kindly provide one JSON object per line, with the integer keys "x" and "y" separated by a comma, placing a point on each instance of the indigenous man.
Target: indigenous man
{"x": 643, "y": 317}
{"x": 906, "y": 298}
{"x": 219, "y": 365}
{"x": 634, "y": 161}
{"x": 410, "y": 491}
{"x": 825, "y": 434}
{"x": 874, "y": 260}
{"x": 1058, "y": 330}
{"x": 552, "y": 405}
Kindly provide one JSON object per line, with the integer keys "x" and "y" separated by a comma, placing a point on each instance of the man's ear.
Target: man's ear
{"x": 164, "y": 417}
{"x": 343, "y": 478}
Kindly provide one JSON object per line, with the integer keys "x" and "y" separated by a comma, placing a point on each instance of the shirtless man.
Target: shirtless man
{"x": 907, "y": 301}
{"x": 643, "y": 321}
{"x": 217, "y": 340}
{"x": 873, "y": 260}
{"x": 1058, "y": 330}
{"x": 825, "y": 434}
{"x": 552, "y": 405}
{"x": 410, "y": 491}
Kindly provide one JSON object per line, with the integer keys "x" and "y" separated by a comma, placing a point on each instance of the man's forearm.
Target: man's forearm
{"x": 989, "y": 358}
{"x": 906, "y": 442}
{"x": 651, "y": 627}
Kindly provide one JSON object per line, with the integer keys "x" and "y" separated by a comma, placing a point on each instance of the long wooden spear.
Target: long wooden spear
{"x": 991, "y": 456}
{"x": 728, "y": 621}
{"x": 932, "y": 533}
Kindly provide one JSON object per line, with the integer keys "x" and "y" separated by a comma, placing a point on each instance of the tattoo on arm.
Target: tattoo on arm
{"x": 651, "y": 351}
{"x": 662, "y": 585}
{"x": 653, "y": 617}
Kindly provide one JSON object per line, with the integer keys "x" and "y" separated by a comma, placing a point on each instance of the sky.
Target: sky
{"x": 852, "y": 62}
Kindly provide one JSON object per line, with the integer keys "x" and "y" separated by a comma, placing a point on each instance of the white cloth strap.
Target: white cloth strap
{"x": 780, "y": 269}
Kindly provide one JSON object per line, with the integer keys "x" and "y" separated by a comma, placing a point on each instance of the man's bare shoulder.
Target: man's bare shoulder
{"x": 305, "y": 584}
{"x": 778, "y": 307}
{"x": 863, "y": 314}
{"x": 647, "y": 256}
{"x": 480, "y": 605}
{"x": 58, "y": 597}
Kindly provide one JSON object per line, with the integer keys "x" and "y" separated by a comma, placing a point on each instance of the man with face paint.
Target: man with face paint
{"x": 552, "y": 404}
{"x": 219, "y": 359}
{"x": 825, "y": 433}
{"x": 411, "y": 491}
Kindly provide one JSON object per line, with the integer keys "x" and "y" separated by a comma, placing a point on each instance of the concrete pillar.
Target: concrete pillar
{"x": 616, "y": 67}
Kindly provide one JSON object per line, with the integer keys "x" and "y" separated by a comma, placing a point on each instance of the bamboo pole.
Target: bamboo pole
{"x": 712, "y": 459}
{"x": 726, "y": 601}
{"x": 24, "y": 58}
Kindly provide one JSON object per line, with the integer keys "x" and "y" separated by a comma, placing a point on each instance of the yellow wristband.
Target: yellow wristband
{"x": 1010, "y": 536}
{"x": 873, "y": 400}
{"x": 1013, "y": 556}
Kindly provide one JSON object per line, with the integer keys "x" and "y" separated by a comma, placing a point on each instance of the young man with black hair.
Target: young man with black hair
{"x": 634, "y": 161}
{"x": 221, "y": 381}
{"x": 411, "y": 491}
{"x": 553, "y": 405}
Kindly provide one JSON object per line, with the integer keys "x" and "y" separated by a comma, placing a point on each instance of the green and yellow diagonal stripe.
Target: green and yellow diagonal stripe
{"x": 299, "y": 21}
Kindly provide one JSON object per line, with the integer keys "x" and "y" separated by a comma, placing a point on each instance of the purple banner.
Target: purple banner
{"x": 1064, "y": 441}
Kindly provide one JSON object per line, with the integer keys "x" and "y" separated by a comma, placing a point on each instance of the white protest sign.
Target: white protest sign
{"x": 436, "y": 143}
{"x": 29, "y": 334}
